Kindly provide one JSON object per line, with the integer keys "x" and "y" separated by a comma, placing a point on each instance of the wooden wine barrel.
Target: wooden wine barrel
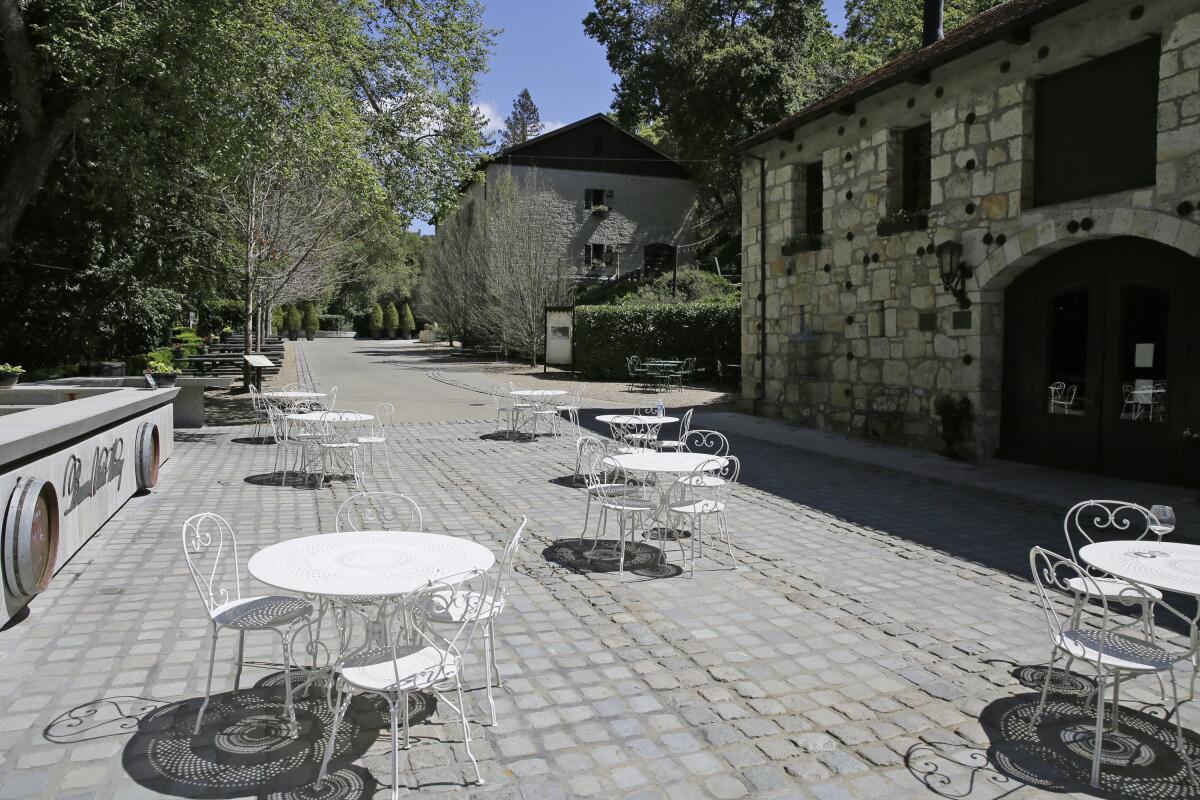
{"x": 146, "y": 456}
{"x": 30, "y": 538}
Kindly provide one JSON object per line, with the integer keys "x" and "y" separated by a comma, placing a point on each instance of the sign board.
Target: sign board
{"x": 259, "y": 362}
{"x": 560, "y": 325}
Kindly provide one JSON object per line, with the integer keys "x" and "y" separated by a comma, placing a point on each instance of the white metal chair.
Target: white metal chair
{"x": 416, "y": 658}
{"x": 504, "y": 407}
{"x": 339, "y": 446}
{"x": 636, "y": 434}
{"x": 543, "y": 412}
{"x": 685, "y": 425}
{"x": 374, "y": 434}
{"x": 379, "y": 511}
{"x": 1062, "y": 397}
{"x": 331, "y": 401}
{"x": 1098, "y": 520}
{"x": 708, "y": 442}
{"x": 259, "y": 405}
{"x": 289, "y": 447}
{"x": 491, "y": 607}
{"x": 1090, "y": 636}
{"x": 210, "y": 547}
{"x": 705, "y": 493}
{"x": 589, "y": 454}
{"x": 615, "y": 491}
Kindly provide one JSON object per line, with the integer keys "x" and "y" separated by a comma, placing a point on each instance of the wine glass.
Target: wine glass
{"x": 1163, "y": 522}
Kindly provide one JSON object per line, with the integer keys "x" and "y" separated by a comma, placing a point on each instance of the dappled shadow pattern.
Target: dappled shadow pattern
{"x": 243, "y": 749}
{"x": 222, "y": 407}
{"x": 194, "y": 437}
{"x": 585, "y": 555}
{"x": 569, "y": 481}
{"x": 1061, "y": 682}
{"x": 1139, "y": 761}
{"x": 294, "y": 480}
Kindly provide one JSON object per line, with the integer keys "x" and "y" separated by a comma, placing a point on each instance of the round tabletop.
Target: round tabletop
{"x": 366, "y": 563}
{"x": 1164, "y": 565}
{"x": 293, "y": 395}
{"x": 331, "y": 416}
{"x": 635, "y": 419}
{"x": 538, "y": 392}
{"x": 650, "y": 461}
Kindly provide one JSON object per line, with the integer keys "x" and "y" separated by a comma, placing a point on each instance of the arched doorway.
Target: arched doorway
{"x": 1102, "y": 362}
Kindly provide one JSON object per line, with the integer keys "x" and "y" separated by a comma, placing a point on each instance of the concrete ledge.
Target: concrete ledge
{"x": 79, "y": 412}
{"x": 188, "y": 405}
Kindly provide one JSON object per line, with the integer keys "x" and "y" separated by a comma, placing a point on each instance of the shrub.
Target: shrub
{"x": 277, "y": 315}
{"x": 407, "y": 323}
{"x": 293, "y": 321}
{"x": 333, "y": 322}
{"x": 391, "y": 319}
{"x": 692, "y": 285}
{"x": 376, "y": 321}
{"x": 216, "y": 314}
{"x": 606, "y": 335}
{"x": 312, "y": 321}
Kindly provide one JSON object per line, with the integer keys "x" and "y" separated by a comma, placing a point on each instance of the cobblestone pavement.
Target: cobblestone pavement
{"x": 877, "y": 639}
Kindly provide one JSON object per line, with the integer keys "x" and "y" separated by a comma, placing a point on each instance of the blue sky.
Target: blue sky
{"x": 542, "y": 47}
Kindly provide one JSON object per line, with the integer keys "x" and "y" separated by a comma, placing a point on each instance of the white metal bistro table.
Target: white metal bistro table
{"x": 293, "y": 395}
{"x": 538, "y": 392}
{"x": 366, "y": 563}
{"x": 1173, "y": 566}
{"x": 331, "y": 416}
{"x": 635, "y": 419}
{"x": 672, "y": 463}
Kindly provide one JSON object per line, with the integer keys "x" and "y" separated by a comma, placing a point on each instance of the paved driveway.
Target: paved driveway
{"x": 876, "y": 639}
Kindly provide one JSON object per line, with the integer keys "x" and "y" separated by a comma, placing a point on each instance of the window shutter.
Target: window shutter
{"x": 587, "y": 198}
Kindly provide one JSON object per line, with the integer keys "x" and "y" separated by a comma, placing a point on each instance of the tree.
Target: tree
{"x": 880, "y": 30}
{"x": 705, "y": 74}
{"x": 407, "y": 323}
{"x": 391, "y": 319}
{"x": 294, "y": 322}
{"x": 523, "y": 123}
{"x": 376, "y": 323}
{"x": 312, "y": 321}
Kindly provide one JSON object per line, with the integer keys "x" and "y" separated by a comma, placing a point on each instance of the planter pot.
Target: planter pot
{"x": 224, "y": 337}
{"x": 310, "y": 335}
{"x": 9, "y": 379}
{"x": 952, "y": 432}
{"x": 889, "y": 227}
{"x": 164, "y": 380}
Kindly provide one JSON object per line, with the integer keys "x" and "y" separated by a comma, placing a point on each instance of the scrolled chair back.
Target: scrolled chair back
{"x": 379, "y": 511}
{"x": 1093, "y": 521}
{"x": 511, "y": 547}
{"x": 332, "y": 395}
{"x": 708, "y": 442}
{"x": 463, "y": 598}
{"x": 210, "y": 547}
{"x": 1060, "y": 581}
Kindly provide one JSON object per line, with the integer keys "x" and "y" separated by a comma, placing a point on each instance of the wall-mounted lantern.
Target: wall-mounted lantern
{"x": 954, "y": 273}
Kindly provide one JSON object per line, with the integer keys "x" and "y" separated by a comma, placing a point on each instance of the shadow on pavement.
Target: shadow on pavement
{"x": 584, "y": 555}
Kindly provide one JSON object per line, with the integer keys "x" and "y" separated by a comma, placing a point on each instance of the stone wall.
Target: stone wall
{"x": 847, "y": 317}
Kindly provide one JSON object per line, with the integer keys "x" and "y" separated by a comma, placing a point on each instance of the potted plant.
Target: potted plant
{"x": 375, "y": 321}
{"x": 407, "y": 323}
{"x": 311, "y": 321}
{"x": 802, "y": 243}
{"x": 902, "y": 220}
{"x": 391, "y": 320}
{"x": 226, "y": 332}
{"x": 954, "y": 413}
{"x": 600, "y": 210}
{"x": 292, "y": 323}
{"x": 9, "y": 375}
{"x": 164, "y": 373}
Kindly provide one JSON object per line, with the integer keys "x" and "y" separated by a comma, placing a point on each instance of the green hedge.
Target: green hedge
{"x": 606, "y": 335}
{"x": 333, "y": 322}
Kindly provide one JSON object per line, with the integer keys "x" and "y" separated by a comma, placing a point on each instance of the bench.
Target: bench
{"x": 885, "y": 409}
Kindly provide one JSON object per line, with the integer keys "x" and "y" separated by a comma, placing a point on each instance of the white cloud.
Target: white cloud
{"x": 495, "y": 120}
{"x": 551, "y": 125}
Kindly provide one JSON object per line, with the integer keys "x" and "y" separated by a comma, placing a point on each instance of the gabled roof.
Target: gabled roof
{"x": 528, "y": 143}
{"x": 1010, "y": 20}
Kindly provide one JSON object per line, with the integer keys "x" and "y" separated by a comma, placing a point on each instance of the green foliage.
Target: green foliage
{"x": 702, "y": 75}
{"x": 880, "y": 30}
{"x": 312, "y": 320}
{"x": 160, "y": 367}
{"x": 407, "y": 323}
{"x": 694, "y": 285}
{"x": 9, "y": 369}
{"x": 216, "y": 314}
{"x": 606, "y": 335}
{"x": 375, "y": 323}
{"x": 333, "y": 322}
{"x": 293, "y": 321}
{"x": 391, "y": 318}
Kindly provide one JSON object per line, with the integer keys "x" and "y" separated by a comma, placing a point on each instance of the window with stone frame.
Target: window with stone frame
{"x": 597, "y": 197}
{"x": 915, "y": 177}
{"x": 1095, "y": 126}
{"x": 598, "y": 253}
{"x": 814, "y": 204}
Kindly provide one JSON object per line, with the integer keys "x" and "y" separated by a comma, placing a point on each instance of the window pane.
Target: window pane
{"x": 813, "y": 202}
{"x": 1068, "y": 351}
{"x": 915, "y": 175}
{"x": 1143, "y": 354}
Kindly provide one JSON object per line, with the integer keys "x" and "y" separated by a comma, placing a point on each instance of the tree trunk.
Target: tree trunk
{"x": 26, "y": 168}
{"x": 248, "y": 319}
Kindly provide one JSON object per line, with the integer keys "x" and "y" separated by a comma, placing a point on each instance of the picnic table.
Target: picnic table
{"x": 257, "y": 364}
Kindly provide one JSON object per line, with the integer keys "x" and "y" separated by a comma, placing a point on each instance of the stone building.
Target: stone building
{"x": 608, "y": 202}
{"x": 1053, "y": 146}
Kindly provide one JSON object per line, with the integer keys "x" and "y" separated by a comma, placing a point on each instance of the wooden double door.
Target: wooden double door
{"x": 1102, "y": 362}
